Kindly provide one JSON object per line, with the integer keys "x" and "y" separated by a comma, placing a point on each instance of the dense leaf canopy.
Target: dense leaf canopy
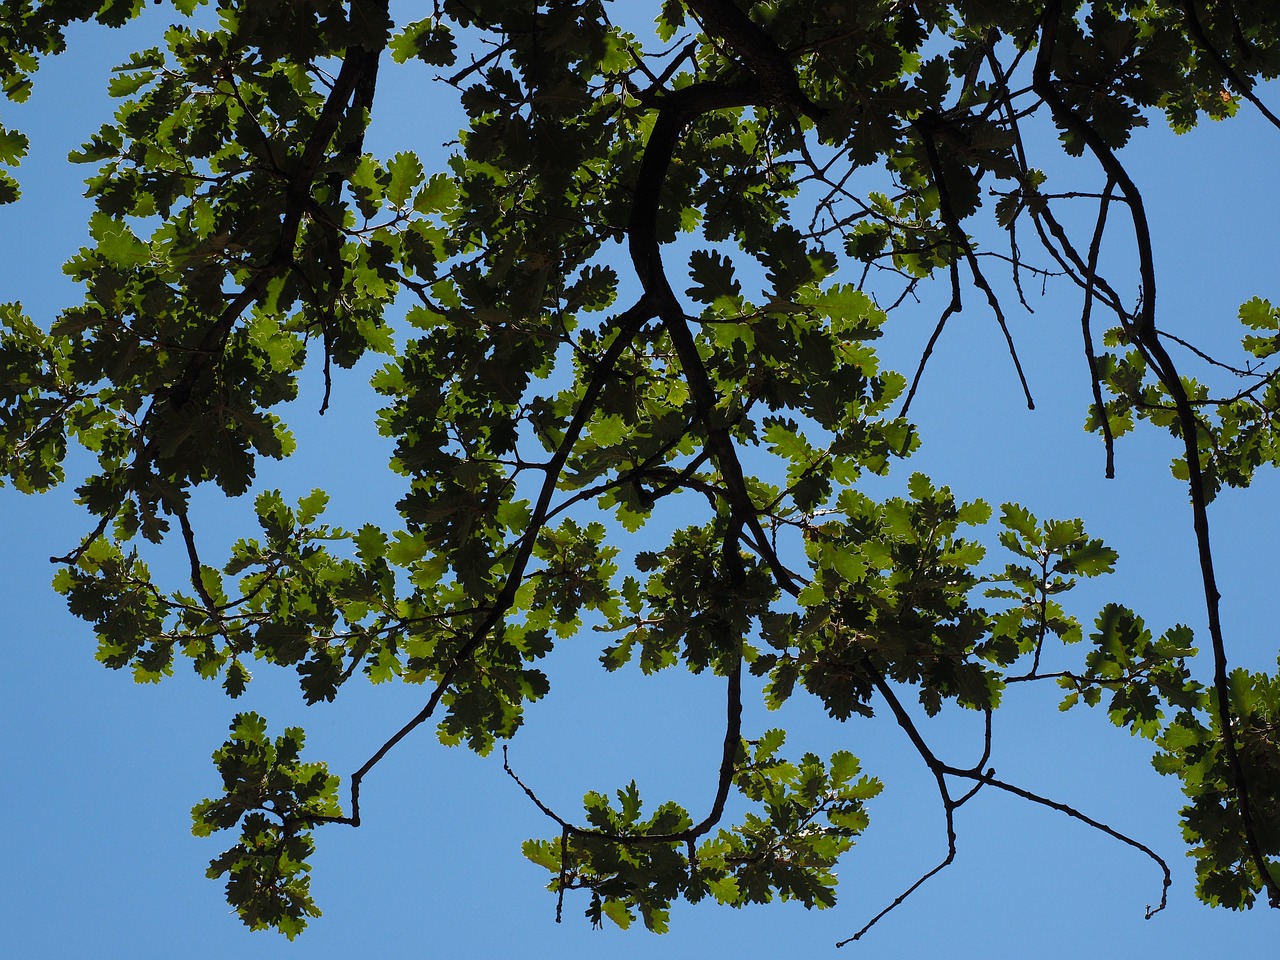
{"x": 647, "y": 280}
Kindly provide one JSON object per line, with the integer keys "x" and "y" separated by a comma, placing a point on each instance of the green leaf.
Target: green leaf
{"x": 438, "y": 195}
{"x": 425, "y": 40}
{"x": 617, "y": 911}
{"x": 406, "y": 173}
{"x": 13, "y": 146}
{"x": 712, "y": 275}
{"x": 1020, "y": 522}
{"x": 116, "y": 242}
{"x": 1259, "y": 314}
{"x": 311, "y": 506}
{"x": 371, "y": 543}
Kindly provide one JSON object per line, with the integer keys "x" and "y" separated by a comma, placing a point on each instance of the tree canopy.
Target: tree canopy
{"x": 641, "y": 294}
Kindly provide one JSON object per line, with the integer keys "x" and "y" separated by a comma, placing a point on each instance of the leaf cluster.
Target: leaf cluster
{"x": 642, "y": 291}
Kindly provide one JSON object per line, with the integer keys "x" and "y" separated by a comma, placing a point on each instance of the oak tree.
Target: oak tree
{"x": 650, "y": 273}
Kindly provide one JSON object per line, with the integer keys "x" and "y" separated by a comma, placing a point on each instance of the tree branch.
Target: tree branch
{"x": 1149, "y": 338}
{"x": 1087, "y": 336}
{"x": 1242, "y": 84}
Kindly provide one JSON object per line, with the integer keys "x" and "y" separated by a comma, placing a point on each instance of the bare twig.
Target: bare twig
{"x": 1087, "y": 336}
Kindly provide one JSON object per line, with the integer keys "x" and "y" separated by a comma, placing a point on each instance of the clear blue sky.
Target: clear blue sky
{"x": 99, "y": 774}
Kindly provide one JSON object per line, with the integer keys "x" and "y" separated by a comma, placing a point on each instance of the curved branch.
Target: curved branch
{"x": 988, "y": 778}
{"x": 732, "y": 561}
{"x": 674, "y": 114}
{"x": 939, "y": 770}
{"x": 982, "y": 778}
{"x": 628, "y": 324}
{"x": 1189, "y": 425}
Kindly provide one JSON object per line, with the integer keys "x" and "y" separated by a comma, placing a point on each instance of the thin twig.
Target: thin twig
{"x": 952, "y": 308}
{"x": 1087, "y": 336}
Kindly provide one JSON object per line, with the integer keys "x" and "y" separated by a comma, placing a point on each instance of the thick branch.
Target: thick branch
{"x": 678, "y": 110}
{"x": 757, "y": 51}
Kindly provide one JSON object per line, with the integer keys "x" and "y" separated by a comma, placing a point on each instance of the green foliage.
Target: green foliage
{"x": 796, "y": 169}
{"x": 1141, "y": 673}
{"x": 809, "y": 814}
{"x": 274, "y": 799}
{"x": 1194, "y": 749}
{"x": 804, "y": 817}
{"x": 1048, "y": 554}
{"x": 1235, "y": 433}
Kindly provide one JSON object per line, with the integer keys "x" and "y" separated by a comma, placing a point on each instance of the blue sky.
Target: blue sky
{"x": 100, "y": 773}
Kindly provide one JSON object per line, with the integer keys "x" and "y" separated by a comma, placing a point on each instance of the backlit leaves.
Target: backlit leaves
{"x": 274, "y": 800}
{"x": 1193, "y": 749}
{"x": 640, "y": 293}
{"x": 802, "y": 817}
